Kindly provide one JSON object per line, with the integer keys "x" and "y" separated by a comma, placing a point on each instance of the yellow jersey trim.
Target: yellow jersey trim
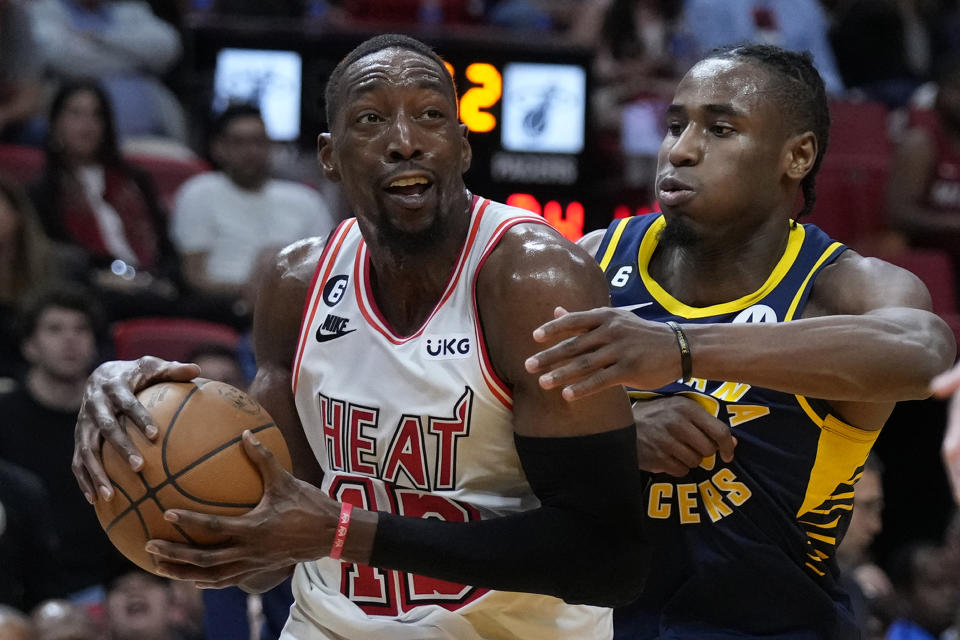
{"x": 803, "y": 287}
{"x": 614, "y": 241}
{"x": 649, "y": 244}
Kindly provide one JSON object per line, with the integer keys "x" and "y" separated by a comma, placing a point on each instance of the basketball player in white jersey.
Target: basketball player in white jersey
{"x": 433, "y": 476}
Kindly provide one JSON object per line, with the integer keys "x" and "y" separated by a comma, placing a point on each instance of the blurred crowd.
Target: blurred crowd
{"x": 97, "y": 231}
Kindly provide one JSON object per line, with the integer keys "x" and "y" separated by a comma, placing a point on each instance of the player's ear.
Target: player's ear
{"x": 325, "y": 157}
{"x": 466, "y": 151}
{"x": 800, "y": 155}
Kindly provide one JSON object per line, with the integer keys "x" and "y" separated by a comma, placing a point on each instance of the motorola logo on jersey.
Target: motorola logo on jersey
{"x": 334, "y": 289}
{"x": 449, "y": 347}
{"x": 756, "y": 313}
{"x": 333, "y": 327}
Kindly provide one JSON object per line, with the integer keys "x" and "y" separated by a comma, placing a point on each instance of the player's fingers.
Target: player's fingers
{"x": 946, "y": 383}
{"x": 586, "y": 363}
{"x": 694, "y": 437}
{"x": 684, "y": 454}
{"x": 151, "y": 370}
{"x": 720, "y": 434}
{"x": 568, "y": 323}
{"x": 225, "y": 575}
{"x": 672, "y": 467}
{"x": 951, "y": 447}
{"x": 239, "y": 578}
{"x": 263, "y": 458}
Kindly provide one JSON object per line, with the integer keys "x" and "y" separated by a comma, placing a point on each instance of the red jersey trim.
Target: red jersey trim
{"x": 324, "y": 264}
{"x": 364, "y": 291}
{"x": 497, "y": 386}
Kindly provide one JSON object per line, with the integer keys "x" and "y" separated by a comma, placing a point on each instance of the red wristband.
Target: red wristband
{"x": 343, "y": 523}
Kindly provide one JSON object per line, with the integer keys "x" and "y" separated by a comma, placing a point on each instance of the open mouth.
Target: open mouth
{"x": 409, "y": 186}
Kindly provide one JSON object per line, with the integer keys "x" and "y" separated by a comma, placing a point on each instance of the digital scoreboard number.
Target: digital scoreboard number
{"x": 528, "y": 130}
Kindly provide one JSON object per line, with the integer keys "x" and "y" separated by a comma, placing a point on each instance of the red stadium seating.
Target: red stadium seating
{"x": 168, "y": 173}
{"x": 169, "y": 338}
{"x": 935, "y": 268}
{"x": 25, "y": 163}
{"x": 853, "y": 178}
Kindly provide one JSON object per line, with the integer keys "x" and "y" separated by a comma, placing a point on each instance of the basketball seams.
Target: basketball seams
{"x": 172, "y": 478}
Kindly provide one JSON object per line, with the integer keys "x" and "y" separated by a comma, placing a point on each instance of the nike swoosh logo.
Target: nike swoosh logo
{"x": 631, "y": 307}
{"x": 327, "y": 337}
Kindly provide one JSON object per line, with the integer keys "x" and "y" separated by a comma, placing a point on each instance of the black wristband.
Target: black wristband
{"x": 686, "y": 358}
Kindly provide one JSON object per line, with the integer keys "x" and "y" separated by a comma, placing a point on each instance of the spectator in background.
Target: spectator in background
{"x": 228, "y": 221}
{"x": 26, "y": 263}
{"x": 882, "y": 48}
{"x": 869, "y": 587}
{"x": 20, "y": 77}
{"x": 923, "y": 193}
{"x": 797, "y": 25}
{"x": 926, "y": 590}
{"x": 635, "y": 71}
{"x": 64, "y": 620}
{"x": 126, "y": 47}
{"x": 139, "y": 607}
{"x": 14, "y": 624}
{"x": 28, "y": 542}
{"x": 89, "y": 198}
{"x": 58, "y": 329}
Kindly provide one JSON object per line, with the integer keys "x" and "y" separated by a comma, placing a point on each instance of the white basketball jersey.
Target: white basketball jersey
{"x": 421, "y": 426}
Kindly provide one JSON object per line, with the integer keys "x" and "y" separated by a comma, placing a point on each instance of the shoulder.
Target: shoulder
{"x": 855, "y": 284}
{"x": 536, "y": 260}
{"x": 282, "y": 298}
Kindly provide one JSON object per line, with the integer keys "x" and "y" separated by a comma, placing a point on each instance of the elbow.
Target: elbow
{"x": 613, "y": 580}
{"x": 936, "y": 351}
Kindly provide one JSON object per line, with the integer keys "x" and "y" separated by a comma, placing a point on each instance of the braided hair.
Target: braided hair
{"x": 799, "y": 92}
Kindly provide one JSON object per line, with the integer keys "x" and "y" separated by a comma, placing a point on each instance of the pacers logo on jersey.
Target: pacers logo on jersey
{"x": 448, "y": 347}
{"x": 756, "y": 313}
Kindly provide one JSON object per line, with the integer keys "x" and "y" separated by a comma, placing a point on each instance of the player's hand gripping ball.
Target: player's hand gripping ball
{"x": 196, "y": 462}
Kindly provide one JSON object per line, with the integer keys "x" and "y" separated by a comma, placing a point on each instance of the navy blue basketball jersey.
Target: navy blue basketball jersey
{"x": 746, "y": 548}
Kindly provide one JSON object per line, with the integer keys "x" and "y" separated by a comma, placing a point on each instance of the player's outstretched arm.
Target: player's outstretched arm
{"x": 947, "y": 385}
{"x": 870, "y": 336}
{"x": 108, "y": 397}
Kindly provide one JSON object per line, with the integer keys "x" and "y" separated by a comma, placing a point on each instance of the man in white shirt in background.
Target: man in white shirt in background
{"x": 225, "y": 222}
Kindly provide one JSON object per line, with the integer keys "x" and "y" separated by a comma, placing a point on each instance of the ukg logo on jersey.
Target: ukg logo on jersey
{"x": 449, "y": 347}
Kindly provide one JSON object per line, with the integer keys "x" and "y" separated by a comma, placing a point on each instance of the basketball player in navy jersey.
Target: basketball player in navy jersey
{"x": 392, "y": 357}
{"x": 735, "y": 319}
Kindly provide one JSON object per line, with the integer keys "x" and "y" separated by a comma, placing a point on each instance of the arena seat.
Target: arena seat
{"x": 170, "y": 338}
{"x": 853, "y": 178}
{"x": 168, "y": 173}
{"x": 935, "y": 268}
{"x": 23, "y": 164}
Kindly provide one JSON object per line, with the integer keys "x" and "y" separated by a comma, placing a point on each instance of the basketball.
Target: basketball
{"x": 197, "y": 462}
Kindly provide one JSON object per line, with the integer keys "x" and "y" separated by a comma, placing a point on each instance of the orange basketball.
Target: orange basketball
{"x": 197, "y": 462}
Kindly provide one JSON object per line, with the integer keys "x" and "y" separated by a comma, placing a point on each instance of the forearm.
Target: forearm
{"x": 887, "y": 355}
{"x": 583, "y": 544}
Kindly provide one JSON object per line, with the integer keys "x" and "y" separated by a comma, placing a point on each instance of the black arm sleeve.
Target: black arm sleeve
{"x": 583, "y": 543}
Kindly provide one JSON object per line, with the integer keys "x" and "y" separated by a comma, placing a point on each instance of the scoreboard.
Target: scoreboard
{"x": 524, "y": 99}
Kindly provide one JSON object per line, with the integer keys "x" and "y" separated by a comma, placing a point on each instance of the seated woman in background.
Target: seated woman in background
{"x": 26, "y": 263}
{"x": 90, "y": 198}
